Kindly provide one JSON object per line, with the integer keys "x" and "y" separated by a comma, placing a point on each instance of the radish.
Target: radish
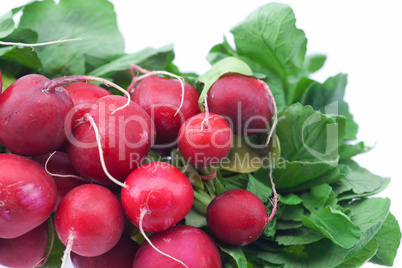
{"x": 108, "y": 144}
{"x": 205, "y": 139}
{"x": 84, "y": 94}
{"x": 245, "y": 101}
{"x": 32, "y": 116}
{"x": 158, "y": 195}
{"x": 193, "y": 247}
{"x": 237, "y": 217}
{"x": 28, "y": 250}
{"x": 121, "y": 255}
{"x": 27, "y": 195}
{"x": 162, "y": 99}
{"x": 58, "y": 165}
{"x": 89, "y": 220}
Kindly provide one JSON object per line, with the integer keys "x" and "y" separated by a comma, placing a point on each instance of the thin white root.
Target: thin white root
{"x": 205, "y": 122}
{"x": 67, "y": 251}
{"x": 37, "y": 44}
{"x": 275, "y": 202}
{"x": 98, "y": 141}
{"x": 143, "y": 212}
{"x": 147, "y": 73}
{"x": 275, "y": 122}
{"x": 60, "y": 175}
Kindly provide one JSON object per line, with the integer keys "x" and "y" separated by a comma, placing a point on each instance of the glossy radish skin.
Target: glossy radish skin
{"x": 161, "y": 190}
{"x": 237, "y": 217}
{"x": 243, "y": 101}
{"x": 59, "y": 163}
{"x": 161, "y": 97}
{"x": 27, "y": 250}
{"x": 27, "y": 195}
{"x": 31, "y": 118}
{"x": 205, "y": 144}
{"x": 84, "y": 94}
{"x": 126, "y": 137}
{"x": 121, "y": 255}
{"x": 186, "y": 243}
{"x": 92, "y": 216}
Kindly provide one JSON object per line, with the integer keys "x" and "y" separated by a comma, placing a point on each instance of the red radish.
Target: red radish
{"x": 121, "y": 256}
{"x": 193, "y": 247}
{"x": 32, "y": 116}
{"x": 64, "y": 175}
{"x": 161, "y": 98}
{"x": 237, "y": 217}
{"x": 27, "y": 195}
{"x": 158, "y": 196}
{"x": 245, "y": 101}
{"x": 205, "y": 139}
{"x": 125, "y": 136}
{"x": 84, "y": 94}
{"x": 89, "y": 220}
{"x": 28, "y": 250}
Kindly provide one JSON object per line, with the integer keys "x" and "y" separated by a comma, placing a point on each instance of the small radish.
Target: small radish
{"x": 89, "y": 220}
{"x": 83, "y": 95}
{"x": 245, "y": 101}
{"x": 237, "y": 217}
{"x": 27, "y": 195}
{"x": 158, "y": 196}
{"x": 205, "y": 139}
{"x": 58, "y": 165}
{"x": 162, "y": 98}
{"x": 32, "y": 116}
{"x": 121, "y": 256}
{"x": 193, "y": 247}
{"x": 28, "y": 250}
{"x": 123, "y": 138}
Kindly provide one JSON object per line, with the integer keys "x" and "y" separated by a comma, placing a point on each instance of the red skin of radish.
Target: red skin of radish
{"x": 27, "y": 195}
{"x": 160, "y": 97}
{"x": 126, "y": 137}
{"x": 237, "y": 217}
{"x": 121, "y": 255}
{"x": 205, "y": 145}
{"x": 162, "y": 190}
{"x": 243, "y": 101}
{"x": 186, "y": 243}
{"x": 31, "y": 120}
{"x": 59, "y": 163}
{"x": 93, "y": 214}
{"x": 83, "y": 95}
{"x": 27, "y": 250}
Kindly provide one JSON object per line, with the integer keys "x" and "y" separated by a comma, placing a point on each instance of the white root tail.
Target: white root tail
{"x": 67, "y": 251}
{"x": 142, "y": 215}
{"x": 60, "y": 175}
{"x": 147, "y": 73}
{"x": 102, "y": 159}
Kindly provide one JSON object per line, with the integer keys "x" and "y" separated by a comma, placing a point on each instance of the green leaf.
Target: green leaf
{"x": 359, "y": 182}
{"x": 314, "y": 62}
{"x": 365, "y": 254}
{"x": 329, "y": 99}
{"x": 236, "y": 254}
{"x": 195, "y": 218}
{"x": 308, "y": 135}
{"x": 368, "y": 214}
{"x": 328, "y": 218}
{"x": 269, "y": 36}
{"x": 299, "y": 236}
{"x": 347, "y": 151}
{"x": 226, "y": 65}
{"x": 258, "y": 188}
{"x": 291, "y": 199}
{"x": 101, "y": 40}
{"x": 6, "y": 24}
{"x": 389, "y": 239}
{"x": 290, "y": 213}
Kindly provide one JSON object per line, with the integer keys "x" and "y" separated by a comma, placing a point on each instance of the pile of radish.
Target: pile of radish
{"x": 95, "y": 145}
{"x": 146, "y": 167}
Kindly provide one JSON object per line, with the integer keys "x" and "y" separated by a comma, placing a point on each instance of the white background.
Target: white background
{"x": 360, "y": 38}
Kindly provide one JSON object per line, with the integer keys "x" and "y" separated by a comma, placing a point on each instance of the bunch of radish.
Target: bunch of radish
{"x": 110, "y": 172}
